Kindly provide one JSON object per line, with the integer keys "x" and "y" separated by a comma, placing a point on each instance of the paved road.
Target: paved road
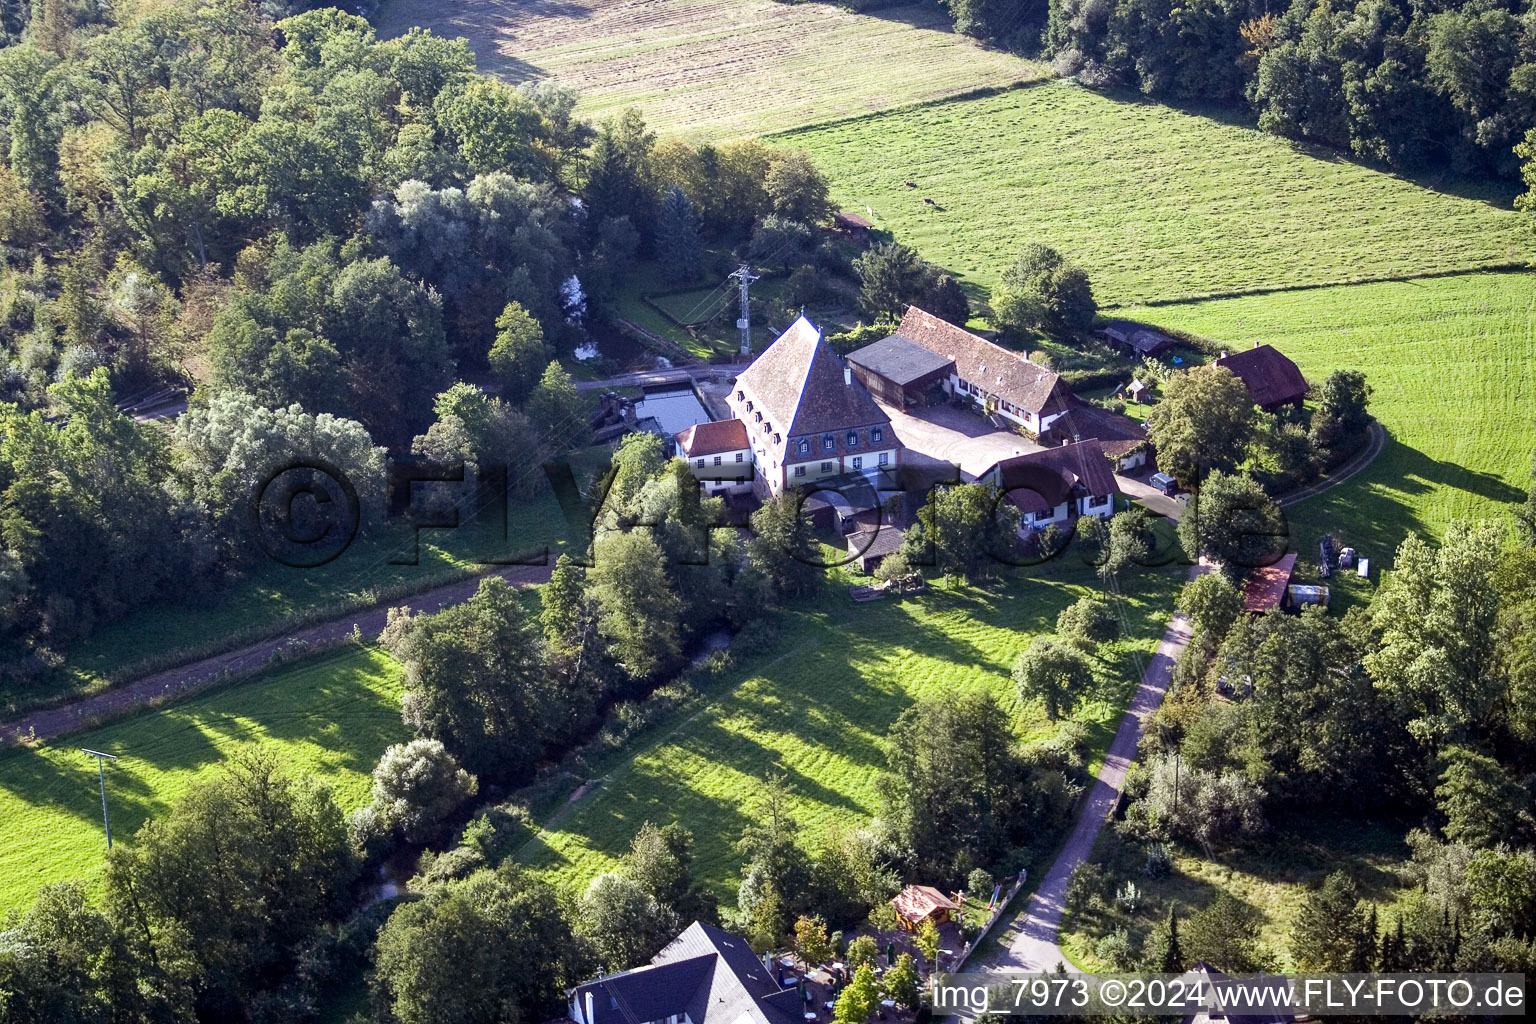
{"x": 676, "y": 375}
{"x": 1034, "y": 945}
{"x": 1367, "y": 456}
{"x": 45, "y": 725}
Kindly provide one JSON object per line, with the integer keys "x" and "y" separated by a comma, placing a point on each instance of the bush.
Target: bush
{"x": 979, "y": 884}
{"x": 1086, "y": 882}
{"x": 1089, "y": 620}
{"x": 1117, "y": 950}
{"x": 418, "y": 784}
{"x": 1158, "y": 862}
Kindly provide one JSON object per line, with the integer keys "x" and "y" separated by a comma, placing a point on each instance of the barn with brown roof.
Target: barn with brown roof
{"x": 998, "y": 381}
{"x": 1054, "y": 486}
{"x": 1270, "y": 377}
{"x": 810, "y": 422}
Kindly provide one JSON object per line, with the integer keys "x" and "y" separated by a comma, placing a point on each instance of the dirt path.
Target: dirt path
{"x": 60, "y": 721}
{"x": 1033, "y": 946}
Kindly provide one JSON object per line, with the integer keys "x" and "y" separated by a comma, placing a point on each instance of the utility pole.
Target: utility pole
{"x": 744, "y": 277}
{"x": 101, "y": 776}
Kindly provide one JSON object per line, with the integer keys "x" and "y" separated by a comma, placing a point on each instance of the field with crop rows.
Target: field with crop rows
{"x": 1453, "y": 365}
{"x": 816, "y": 709}
{"x": 330, "y": 716}
{"x": 713, "y": 69}
{"x": 1157, "y": 204}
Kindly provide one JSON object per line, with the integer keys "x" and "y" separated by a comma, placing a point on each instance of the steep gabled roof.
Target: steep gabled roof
{"x": 709, "y": 974}
{"x": 1002, "y": 371}
{"x": 1044, "y": 479}
{"x": 1271, "y": 378}
{"x": 800, "y": 386}
{"x": 713, "y": 438}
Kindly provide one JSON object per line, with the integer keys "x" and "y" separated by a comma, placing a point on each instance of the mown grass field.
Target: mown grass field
{"x": 272, "y": 595}
{"x": 1274, "y": 880}
{"x": 716, "y": 69}
{"x": 1157, "y": 204}
{"x": 1453, "y": 365}
{"x": 331, "y": 716}
{"x": 816, "y": 708}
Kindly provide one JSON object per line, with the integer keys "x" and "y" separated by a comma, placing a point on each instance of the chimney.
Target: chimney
{"x": 1223, "y": 353}
{"x": 1255, "y": 342}
{"x": 847, "y": 377}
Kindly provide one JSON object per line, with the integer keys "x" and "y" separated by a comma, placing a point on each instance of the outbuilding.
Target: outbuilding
{"x": 918, "y": 903}
{"x": 1270, "y": 377}
{"x": 901, "y": 373}
{"x": 868, "y": 548}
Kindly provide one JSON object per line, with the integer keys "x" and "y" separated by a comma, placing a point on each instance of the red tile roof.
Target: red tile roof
{"x": 1265, "y": 587}
{"x": 713, "y": 438}
{"x": 916, "y": 902}
{"x": 1270, "y": 377}
{"x": 1004, "y": 372}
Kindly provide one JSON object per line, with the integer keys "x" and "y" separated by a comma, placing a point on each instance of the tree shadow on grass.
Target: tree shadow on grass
{"x": 1371, "y": 512}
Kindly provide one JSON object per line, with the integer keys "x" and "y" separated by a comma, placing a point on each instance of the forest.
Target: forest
{"x": 321, "y": 234}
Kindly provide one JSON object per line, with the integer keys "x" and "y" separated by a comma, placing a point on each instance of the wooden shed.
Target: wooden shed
{"x": 901, "y": 373}
{"x": 918, "y": 903}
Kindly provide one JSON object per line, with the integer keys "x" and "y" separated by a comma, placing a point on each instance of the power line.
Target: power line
{"x": 744, "y": 277}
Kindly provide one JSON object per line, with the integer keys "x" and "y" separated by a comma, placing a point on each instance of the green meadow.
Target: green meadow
{"x": 816, "y": 708}
{"x": 1156, "y": 203}
{"x": 1452, "y": 362}
{"x": 330, "y": 716}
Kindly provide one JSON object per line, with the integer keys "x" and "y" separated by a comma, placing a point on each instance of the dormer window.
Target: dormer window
{"x": 740, "y": 394}
{"x": 827, "y": 443}
{"x": 852, "y": 439}
{"x": 805, "y": 447}
{"x": 876, "y": 435}
{"x": 775, "y": 438}
{"x": 759, "y": 416}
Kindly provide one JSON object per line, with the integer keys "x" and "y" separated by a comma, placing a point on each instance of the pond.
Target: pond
{"x": 674, "y": 407}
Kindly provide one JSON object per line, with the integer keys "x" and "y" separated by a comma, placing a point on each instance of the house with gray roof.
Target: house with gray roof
{"x": 704, "y": 976}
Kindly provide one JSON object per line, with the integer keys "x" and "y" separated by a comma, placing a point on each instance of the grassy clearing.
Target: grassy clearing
{"x": 331, "y": 716}
{"x": 1155, "y": 203}
{"x": 815, "y": 709}
{"x": 711, "y": 69}
{"x": 1453, "y": 364}
{"x": 1296, "y": 855}
{"x": 272, "y": 596}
